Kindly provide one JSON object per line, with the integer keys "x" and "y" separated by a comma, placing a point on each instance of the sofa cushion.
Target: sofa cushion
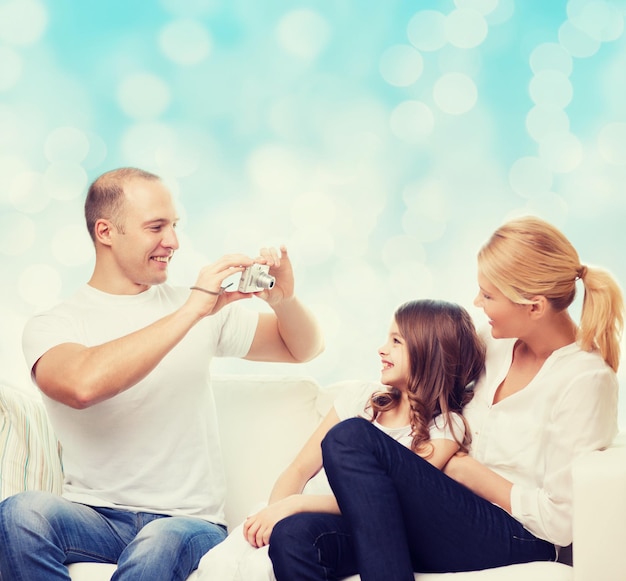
{"x": 30, "y": 456}
{"x": 263, "y": 423}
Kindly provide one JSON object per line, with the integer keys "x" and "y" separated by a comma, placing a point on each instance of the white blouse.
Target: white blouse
{"x": 532, "y": 436}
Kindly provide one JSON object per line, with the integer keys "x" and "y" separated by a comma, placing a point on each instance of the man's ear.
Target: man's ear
{"x": 102, "y": 229}
{"x": 539, "y": 306}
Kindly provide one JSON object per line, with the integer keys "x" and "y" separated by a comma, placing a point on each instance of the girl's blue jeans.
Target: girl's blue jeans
{"x": 41, "y": 533}
{"x": 399, "y": 514}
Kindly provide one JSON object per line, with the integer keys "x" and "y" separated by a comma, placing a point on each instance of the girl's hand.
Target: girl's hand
{"x": 258, "y": 527}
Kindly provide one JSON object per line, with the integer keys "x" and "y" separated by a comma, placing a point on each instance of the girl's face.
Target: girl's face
{"x": 394, "y": 356}
{"x": 507, "y": 319}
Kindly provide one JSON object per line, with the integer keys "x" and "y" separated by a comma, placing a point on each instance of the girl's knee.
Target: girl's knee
{"x": 347, "y": 434}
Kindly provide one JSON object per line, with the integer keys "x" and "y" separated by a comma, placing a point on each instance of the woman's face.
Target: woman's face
{"x": 507, "y": 319}
{"x": 394, "y": 356}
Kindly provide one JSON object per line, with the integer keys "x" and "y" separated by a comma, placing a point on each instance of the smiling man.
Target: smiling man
{"x": 123, "y": 366}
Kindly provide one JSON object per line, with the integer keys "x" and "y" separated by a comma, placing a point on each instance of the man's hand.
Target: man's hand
{"x": 207, "y": 295}
{"x": 280, "y": 268}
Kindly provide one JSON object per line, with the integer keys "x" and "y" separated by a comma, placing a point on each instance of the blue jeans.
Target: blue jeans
{"x": 399, "y": 514}
{"x": 41, "y": 533}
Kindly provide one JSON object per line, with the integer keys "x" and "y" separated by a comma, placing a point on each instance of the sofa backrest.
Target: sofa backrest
{"x": 263, "y": 422}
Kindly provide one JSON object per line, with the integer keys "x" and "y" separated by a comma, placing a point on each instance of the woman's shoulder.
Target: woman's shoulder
{"x": 571, "y": 360}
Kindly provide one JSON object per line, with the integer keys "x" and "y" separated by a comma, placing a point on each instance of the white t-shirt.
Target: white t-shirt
{"x": 532, "y": 436}
{"x": 352, "y": 402}
{"x": 154, "y": 447}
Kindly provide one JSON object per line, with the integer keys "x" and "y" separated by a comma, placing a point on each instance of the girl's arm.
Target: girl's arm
{"x": 443, "y": 450}
{"x": 442, "y": 439}
{"x": 286, "y": 497}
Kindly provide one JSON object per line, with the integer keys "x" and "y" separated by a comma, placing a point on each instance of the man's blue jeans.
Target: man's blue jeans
{"x": 41, "y": 533}
{"x": 400, "y": 514}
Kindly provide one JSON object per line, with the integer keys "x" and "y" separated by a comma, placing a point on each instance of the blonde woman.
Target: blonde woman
{"x": 548, "y": 393}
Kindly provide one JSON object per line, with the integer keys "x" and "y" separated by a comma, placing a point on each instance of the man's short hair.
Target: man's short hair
{"x": 105, "y": 197}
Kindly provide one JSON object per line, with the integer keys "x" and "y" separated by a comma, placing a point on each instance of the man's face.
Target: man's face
{"x": 145, "y": 244}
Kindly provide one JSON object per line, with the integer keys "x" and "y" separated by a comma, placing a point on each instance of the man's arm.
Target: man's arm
{"x": 80, "y": 376}
{"x": 290, "y": 334}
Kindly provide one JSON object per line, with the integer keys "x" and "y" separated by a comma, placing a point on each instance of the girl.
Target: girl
{"x": 430, "y": 361}
{"x": 549, "y": 393}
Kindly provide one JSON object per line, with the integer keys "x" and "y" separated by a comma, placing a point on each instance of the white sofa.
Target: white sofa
{"x": 264, "y": 420}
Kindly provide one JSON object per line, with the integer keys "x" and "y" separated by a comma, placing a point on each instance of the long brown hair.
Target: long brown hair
{"x": 446, "y": 357}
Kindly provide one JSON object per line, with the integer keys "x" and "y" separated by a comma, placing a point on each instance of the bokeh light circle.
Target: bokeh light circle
{"x": 26, "y": 192}
{"x": 22, "y": 22}
{"x": 185, "y": 41}
{"x": 67, "y": 144}
{"x": 465, "y": 28}
{"x": 455, "y": 93}
{"x": 551, "y": 56}
{"x": 561, "y": 152}
{"x": 551, "y": 88}
{"x": 64, "y": 181}
{"x": 544, "y": 120}
{"x": 529, "y": 176}
{"x": 143, "y": 96}
{"x": 577, "y": 42}
{"x": 600, "y": 20}
{"x": 426, "y": 30}
{"x": 401, "y": 65}
{"x": 303, "y": 33}
{"x": 502, "y": 13}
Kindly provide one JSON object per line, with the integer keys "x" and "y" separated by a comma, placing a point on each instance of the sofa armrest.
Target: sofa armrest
{"x": 600, "y": 513}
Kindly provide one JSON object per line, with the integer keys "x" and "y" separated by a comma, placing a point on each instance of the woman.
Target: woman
{"x": 549, "y": 393}
{"x": 430, "y": 360}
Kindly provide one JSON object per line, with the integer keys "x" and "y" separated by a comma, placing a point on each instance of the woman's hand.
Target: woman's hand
{"x": 479, "y": 479}
{"x": 258, "y": 527}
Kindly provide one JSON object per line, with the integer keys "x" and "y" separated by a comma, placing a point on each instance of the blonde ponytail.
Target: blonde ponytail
{"x": 602, "y": 318}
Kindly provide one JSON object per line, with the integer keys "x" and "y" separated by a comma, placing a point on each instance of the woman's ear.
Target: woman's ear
{"x": 102, "y": 229}
{"x": 539, "y": 306}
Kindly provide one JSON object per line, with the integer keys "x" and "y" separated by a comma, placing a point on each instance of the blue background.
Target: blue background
{"x": 382, "y": 142}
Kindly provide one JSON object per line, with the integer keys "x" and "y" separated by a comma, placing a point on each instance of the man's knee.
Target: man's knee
{"x": 20, "y": 508}
{"x": 178, "y": 537}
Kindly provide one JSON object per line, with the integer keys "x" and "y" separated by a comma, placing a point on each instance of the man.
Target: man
{"x": 124, "y": 369}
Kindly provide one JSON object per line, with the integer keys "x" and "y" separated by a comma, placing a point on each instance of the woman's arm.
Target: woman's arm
{"x": 481, "y": 480}
{"x": 286, "y": 497}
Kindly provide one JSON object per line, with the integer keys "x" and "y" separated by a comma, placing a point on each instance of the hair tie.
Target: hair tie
{"x": 581, "y": 273}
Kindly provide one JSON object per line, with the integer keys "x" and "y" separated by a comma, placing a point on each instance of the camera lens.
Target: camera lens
{"x": 265, "y": 280}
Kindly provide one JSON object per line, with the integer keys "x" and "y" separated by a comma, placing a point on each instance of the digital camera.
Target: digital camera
{"x": 256, "y": 278}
